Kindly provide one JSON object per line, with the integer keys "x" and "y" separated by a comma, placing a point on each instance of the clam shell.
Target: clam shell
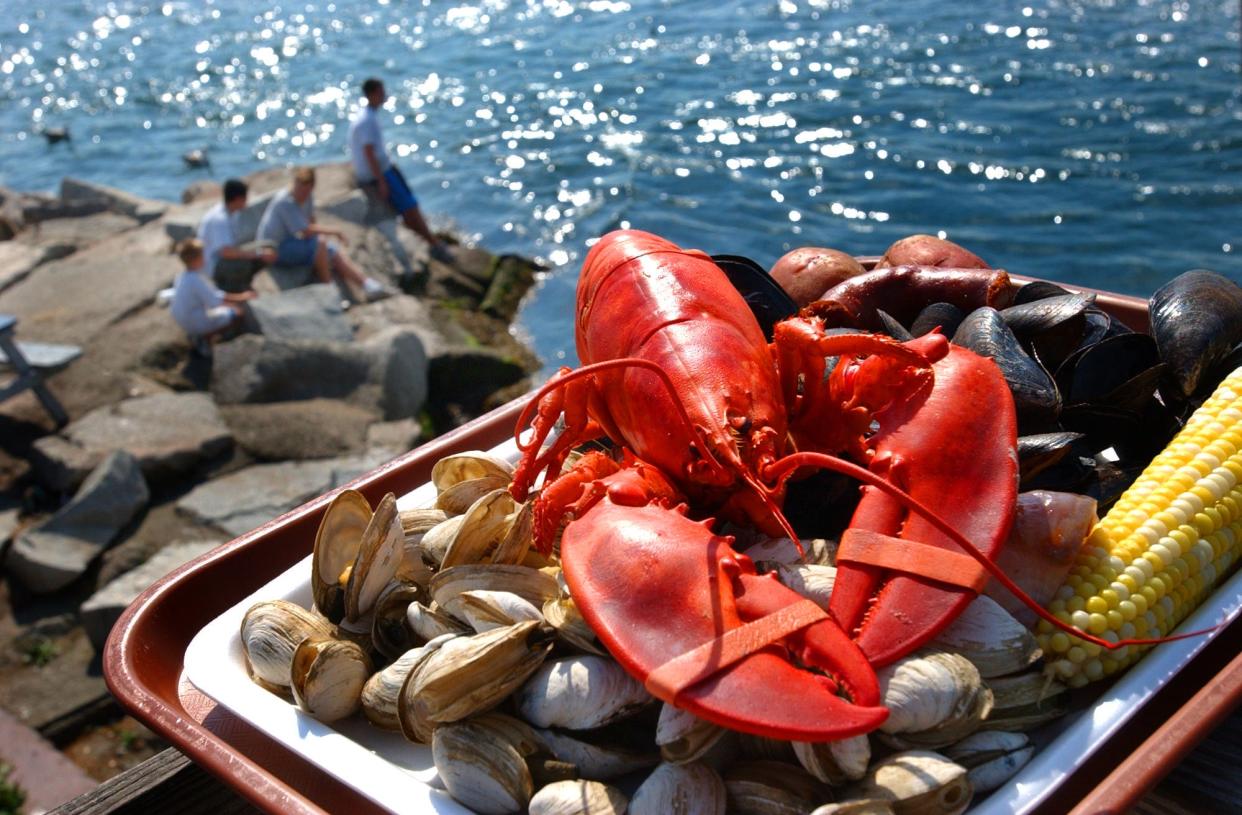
{"x": 773, "y": 788}
{"x": 578, "y": 798}
{"x": 684, "y": 737}
{"x": 484, "y": 610}
{"x": 681, "y": 789}
{"x": 835, "y": 762}
{"x": 468, "y": 675}
{"x": 467, "y": 466}
{"x": 934, "y": 699}
{"x": 271, "y": 631}
{"x": 336, "y": 548}
{"x": 1025, "y": 701}
{"x": 481, "y": 768}
{"x": 580, "y": 693}
{"x": 918, "y": 782}
{"x": 990, "y": 638}
{"x": 327, "y": 677}
{"x": 991, "y": 757}
{"x": 811, "y": 581}
{"x": 427, "y": 624}
{"x": 598, "y": 762}
{"x": 783, "y": 550}
{"x": 391, "y": 633}
{"x": 379, "y": 553}
{"x": 435, "y": 541}
{"x": 381, "y": 692}
{"x": 484, "y": 524}
{"x": 516, "y": 543}
{"x": 856, "y": 806}
{"x": 415, "y": 524}
{"x": 563, "y": 615}
{"x": 457, "y": 499}
{"x": 532, "y": 584}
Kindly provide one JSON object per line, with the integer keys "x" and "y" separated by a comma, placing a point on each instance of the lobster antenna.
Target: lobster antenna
{"x": 795, "y": 460}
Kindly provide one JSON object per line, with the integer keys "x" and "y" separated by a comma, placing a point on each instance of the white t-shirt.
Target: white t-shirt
{"x": 364, "y": 130}
{"x": 197, "y": 305}
{"x": 216, "y": 231}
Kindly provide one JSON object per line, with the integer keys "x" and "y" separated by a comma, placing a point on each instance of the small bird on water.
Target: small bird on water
{"x": 55, "y": 134}
{"x": 196, "y": 158}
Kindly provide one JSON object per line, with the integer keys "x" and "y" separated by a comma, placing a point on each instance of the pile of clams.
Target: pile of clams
{"x": 444, "y": 624}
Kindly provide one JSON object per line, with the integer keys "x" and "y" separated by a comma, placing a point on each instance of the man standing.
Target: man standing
{"x": 372, "y": 166}
{"x": 289, "y": 223}
{"x": 226, "y": 261}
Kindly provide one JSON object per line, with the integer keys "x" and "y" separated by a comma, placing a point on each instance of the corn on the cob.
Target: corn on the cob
{"x": 1160, "y": 550}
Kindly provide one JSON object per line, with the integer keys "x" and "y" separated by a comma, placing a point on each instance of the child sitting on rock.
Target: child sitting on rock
{"x": 199, "y": 307}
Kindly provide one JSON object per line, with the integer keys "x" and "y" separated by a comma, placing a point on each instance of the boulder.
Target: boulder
{"x": 245, "y": 500}
{"x": 169, "y": 434}
{"x": 308, "y": 429}
{"x": 74, "y": 190}
{"x": 394, "y": 438}
{"x": 17, "y": 260}
{"x": 306, "y": 313}
{"x": 354, "y": 208}
{"x": 369, "y": 319}
{"x": 275, "y": 279}
{"x": 386, "y": 374}
{"x": 466, "y": 377}
{"x": 103, "y": 608}
{"x": 54, "y": 553}
{"x": 60, "y": 237}
{"x": 179, "y": 227}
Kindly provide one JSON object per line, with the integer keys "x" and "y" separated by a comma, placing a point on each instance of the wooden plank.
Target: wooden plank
{"x": 168, "y": 782}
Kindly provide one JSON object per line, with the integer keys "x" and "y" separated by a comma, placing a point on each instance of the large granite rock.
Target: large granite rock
{"x": 52, "y": 554}
{"x": 60, "y": 237}
{"x": 241, "y": 501}
{"x": 306, "y": 313}
{"x": 103, "y": 608}
{"x": 73, "y": 190}
{"x": 386, "y": 374}
{"x": 17, "y": 260}
{"x": 307, "y": 429}
{"x": 169, "y": 434}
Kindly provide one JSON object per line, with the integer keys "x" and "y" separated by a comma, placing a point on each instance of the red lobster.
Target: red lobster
{"x": 678, "y": 372}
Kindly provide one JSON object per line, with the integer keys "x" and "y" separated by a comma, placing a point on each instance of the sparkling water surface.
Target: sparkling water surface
{"x": 1099, "y": 143}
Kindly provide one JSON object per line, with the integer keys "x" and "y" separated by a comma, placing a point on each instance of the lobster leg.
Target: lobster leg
{"x": 662, "y": 591}
{"x": 953, "y": 451}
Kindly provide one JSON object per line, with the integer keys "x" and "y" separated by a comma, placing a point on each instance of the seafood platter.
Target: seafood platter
{"x": 914, "y": 538}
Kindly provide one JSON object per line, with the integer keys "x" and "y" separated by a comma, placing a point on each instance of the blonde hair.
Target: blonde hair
{"x": 304, "y": 175}
{"x": 190, "y": 250}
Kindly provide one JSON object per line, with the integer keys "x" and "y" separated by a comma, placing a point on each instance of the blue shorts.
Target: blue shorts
{"x": 399, "y": 194}
{"x": 300, "y": 251}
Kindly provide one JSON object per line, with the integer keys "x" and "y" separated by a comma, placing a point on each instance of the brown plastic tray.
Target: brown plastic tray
{"x": 143, "y": 657}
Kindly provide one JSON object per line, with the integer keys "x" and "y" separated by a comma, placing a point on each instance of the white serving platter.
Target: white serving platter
{"x": 400, "y": 776}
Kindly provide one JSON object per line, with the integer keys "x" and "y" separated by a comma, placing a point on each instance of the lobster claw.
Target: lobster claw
{"x": 954, "y": 452}
{"x": 688, "y": 616}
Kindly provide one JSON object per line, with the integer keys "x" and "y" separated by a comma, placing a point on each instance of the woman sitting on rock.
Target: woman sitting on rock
{"x": 202, "y": 310}
{"x": 289, "y": 222}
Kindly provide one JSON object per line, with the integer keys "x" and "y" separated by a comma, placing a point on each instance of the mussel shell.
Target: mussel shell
{"x": 945, "y": 316}
{"x": 1196, "y": 319}
{"x": 1035, "y": 395}
{"x": 893, "y": 328}
{"x": 1028, "y": 320}
{"x": 1095, "y": 373}
{"x": 1039, "y": 451}
{"x": 767, "y": 300}
{"x": 1037, "y": 290}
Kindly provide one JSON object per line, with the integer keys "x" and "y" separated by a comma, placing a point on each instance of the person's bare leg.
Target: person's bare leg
{"x": 413, "y": 218}
{"x": 320, "y": 263}
{"x": 347, "y": 269}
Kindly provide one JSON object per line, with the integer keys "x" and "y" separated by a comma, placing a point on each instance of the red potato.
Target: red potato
{"x": 928, "y": 250}
{"x": 809, "y": 271}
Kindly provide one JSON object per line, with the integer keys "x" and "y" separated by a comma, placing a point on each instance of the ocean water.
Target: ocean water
{"x": 1098, "y": 143}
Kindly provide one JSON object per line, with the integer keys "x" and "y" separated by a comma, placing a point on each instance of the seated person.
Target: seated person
{"x": 203, "y": 311}
{"x": 229, "y": 263}
{"x": 289, "y": 223}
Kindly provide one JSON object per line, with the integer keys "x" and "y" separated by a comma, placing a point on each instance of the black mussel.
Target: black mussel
{"x": 1035, "y": 394}
{"x": 1040, "y": 451}
{"x": 945, "y": 316}
{"x": 1095, "y": 373}
{"x": 1037, "y": 290}
{"x": 893, "y": 328}
{"x": 1097, "y": 326}
{"x": 1032, "y": 319}
{"x": 1196, "y": 319}
{"x": 767, "y": 300}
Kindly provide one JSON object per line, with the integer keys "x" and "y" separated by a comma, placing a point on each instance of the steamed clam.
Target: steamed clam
{"x": 683, "y": 789}
{"x": 918, "y": 782}
{"x": 271, "y": 631}
{"x": 356, "y": 555}
{"x": 935, "y": 698}
{"x": 328, "y": 676}
{"x": 578, "y": 798}
{"x": 580, "y": 693}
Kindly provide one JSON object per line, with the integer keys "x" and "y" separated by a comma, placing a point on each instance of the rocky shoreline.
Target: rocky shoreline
{"x": 167, "y": 453}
